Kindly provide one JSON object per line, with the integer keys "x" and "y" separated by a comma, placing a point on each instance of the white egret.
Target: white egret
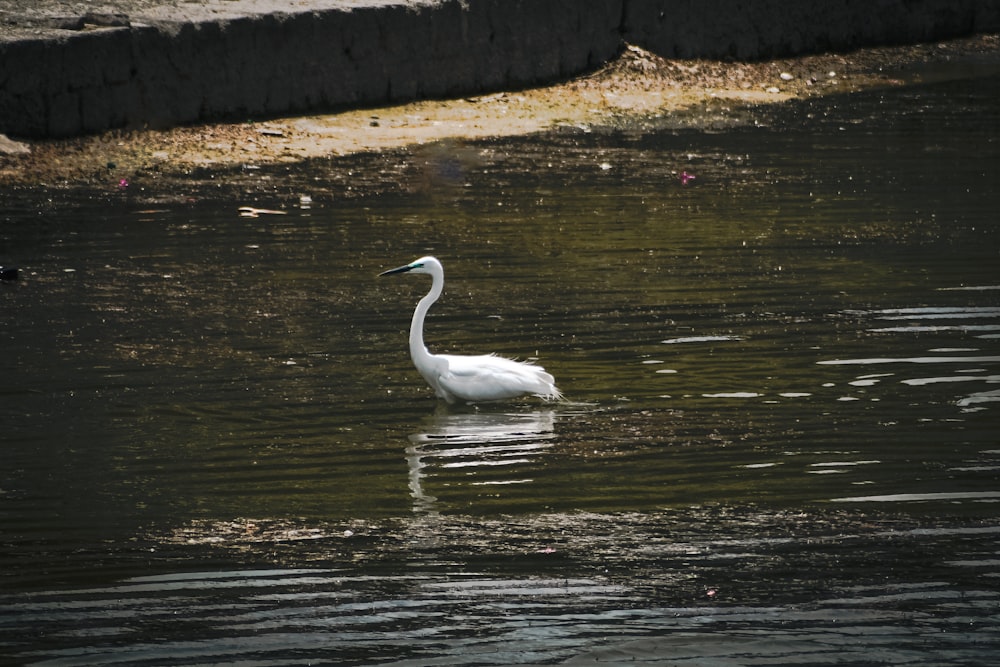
{"x": 472, "y": 379}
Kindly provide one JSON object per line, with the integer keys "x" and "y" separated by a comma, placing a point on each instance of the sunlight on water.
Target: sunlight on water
{"x": 965, "y": 363}
{"x": 987, "y": 496}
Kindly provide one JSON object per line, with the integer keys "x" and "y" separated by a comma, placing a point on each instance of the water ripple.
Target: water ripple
{"x": 627, "y": 586}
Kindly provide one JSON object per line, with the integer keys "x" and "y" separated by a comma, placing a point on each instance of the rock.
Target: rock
{"x": 10, "y": 147}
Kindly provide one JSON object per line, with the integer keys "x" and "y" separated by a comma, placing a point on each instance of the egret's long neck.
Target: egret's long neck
{"x": 418, "y": 351}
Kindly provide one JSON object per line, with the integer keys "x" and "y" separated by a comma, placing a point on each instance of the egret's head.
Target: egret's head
{"x": 423, "y": 265}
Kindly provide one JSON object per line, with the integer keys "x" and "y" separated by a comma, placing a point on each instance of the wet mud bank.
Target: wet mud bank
{"x": 70, "y": 68}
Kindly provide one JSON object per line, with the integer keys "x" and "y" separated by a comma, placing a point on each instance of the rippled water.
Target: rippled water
{"x": 781, "y": 428}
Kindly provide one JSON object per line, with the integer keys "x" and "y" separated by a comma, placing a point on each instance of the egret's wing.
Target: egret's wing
{"x": 492, "y": 378}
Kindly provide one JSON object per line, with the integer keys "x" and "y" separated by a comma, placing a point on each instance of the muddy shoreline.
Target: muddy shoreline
{"x": 635, "y": 85}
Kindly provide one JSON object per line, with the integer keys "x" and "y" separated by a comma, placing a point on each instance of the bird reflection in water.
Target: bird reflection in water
{"x": 483, "y": 448}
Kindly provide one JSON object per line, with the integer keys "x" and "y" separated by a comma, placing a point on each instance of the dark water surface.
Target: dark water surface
{"x": 780, "y": 444}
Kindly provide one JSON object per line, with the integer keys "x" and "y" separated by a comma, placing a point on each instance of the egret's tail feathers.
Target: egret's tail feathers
{"x": 552, "y": 395}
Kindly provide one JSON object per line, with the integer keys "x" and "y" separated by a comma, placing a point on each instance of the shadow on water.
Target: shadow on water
{"x": 781, "y": 446}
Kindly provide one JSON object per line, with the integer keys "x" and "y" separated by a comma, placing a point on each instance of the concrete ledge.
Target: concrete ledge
{"x": 136, "y": 63}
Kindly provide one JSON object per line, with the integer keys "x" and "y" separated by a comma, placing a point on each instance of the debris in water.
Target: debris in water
{"x": 251, "y": 212}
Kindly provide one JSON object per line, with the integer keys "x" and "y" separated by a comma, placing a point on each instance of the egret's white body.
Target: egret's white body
{"x": 472, "y": 379}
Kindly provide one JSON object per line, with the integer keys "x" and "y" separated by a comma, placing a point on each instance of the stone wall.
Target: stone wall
{"x": 164, "y": 72}
{"x": 148, "y": 70}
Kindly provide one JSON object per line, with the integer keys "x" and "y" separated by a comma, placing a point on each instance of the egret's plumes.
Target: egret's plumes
{"x": 476, "y": 379}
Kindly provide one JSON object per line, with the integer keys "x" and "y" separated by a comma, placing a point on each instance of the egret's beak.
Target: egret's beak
{"x": 398, "y": 269}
